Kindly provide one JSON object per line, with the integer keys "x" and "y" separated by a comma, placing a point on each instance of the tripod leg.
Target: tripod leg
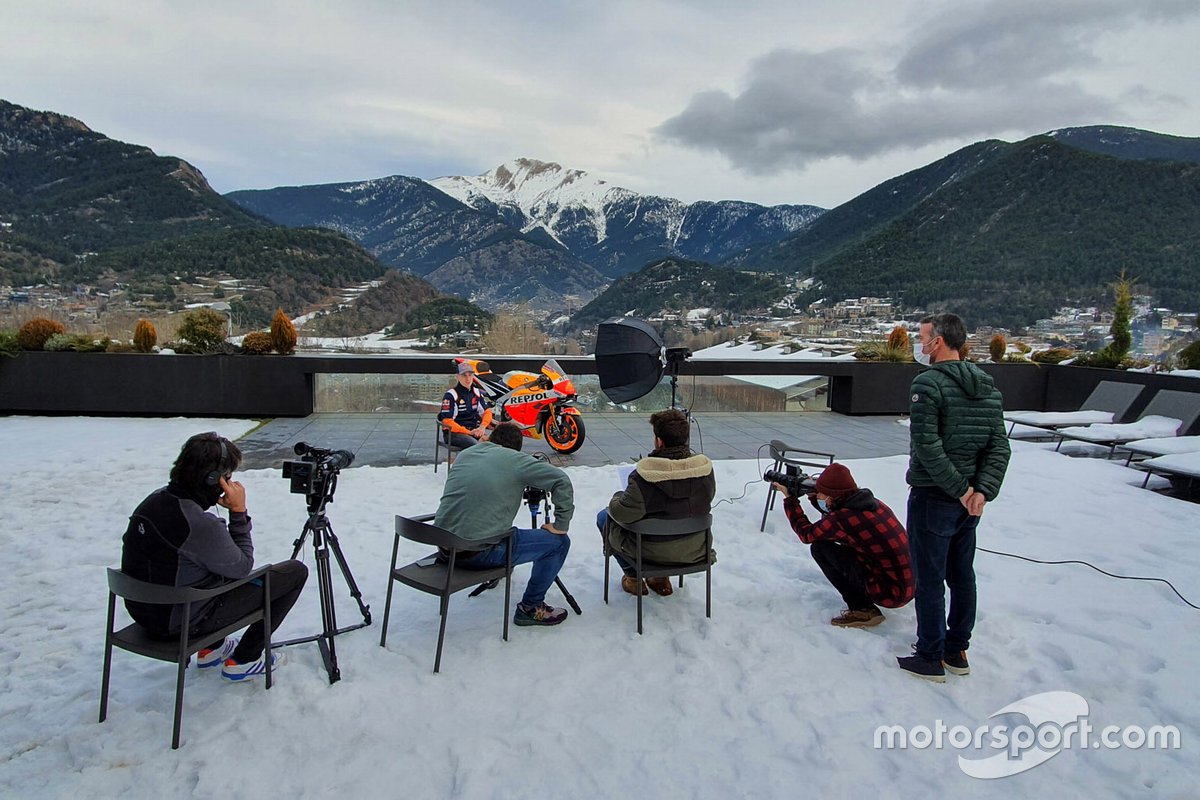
{"x": 299, "y": 543}
{"x": 329, "y": 622}
{"x": 567, "y": 595}
{"x": 345, "y": 567}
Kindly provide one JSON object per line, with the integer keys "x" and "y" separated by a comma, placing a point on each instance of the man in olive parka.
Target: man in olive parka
{"x": 958, "y": 454}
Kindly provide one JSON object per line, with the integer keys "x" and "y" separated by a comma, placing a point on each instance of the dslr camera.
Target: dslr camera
{"x": 796, "y": 481}
{"x": 315, "y": 467}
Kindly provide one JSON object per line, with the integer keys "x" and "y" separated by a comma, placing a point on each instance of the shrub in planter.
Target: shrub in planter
{"x": 1052, "y": 356}
{"x": 1189, "y": 357}
{"x": 257, "y": 343}
{"x": 202, "y": 331}
{"x": 997, "y": 347}
{"x": 119, "y": 347}
{"x": 35, "y": 332}
{"x": 144, "y": 336}
{"x": 283, "y": 333}
{"x": 898, "y": 338}
{"x": 8, "y": 343}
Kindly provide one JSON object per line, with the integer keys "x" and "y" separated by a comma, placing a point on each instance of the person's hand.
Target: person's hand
{"x": 234, "y": 497}
{"x": 549, "y": 526}
{"x": 966, "y": 498}
{"x": 781, "y": 488}
{"x": 975, "y": 504}
{"x": 479, "y": 432}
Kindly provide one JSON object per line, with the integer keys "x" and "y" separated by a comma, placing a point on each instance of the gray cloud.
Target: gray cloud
{"x": 1008, "y": 43}
{"x": 995, "y": 68}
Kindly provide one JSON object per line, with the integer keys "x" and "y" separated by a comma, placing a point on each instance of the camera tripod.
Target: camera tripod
{"x": 325, "y": 540}
{"x": 533, "y": 497}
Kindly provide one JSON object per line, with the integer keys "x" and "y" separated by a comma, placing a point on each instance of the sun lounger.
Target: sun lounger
{"x": 1110, "y": 401}
{"x": 1176, "y": 465}
{"x": 1167, "y": 446}
{"x": 1169, "y": 413}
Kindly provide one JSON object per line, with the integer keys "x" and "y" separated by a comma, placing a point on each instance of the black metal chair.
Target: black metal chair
{"x": 781, "y": 454}
{"x": 137, "y": 639}
{"x": 652, "y": 528}
{"x": 440, "y": 444}
{"x": 442, "y": 577}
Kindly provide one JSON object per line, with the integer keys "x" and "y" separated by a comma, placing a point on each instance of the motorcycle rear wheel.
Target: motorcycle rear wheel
{"x": 564, "y": 434}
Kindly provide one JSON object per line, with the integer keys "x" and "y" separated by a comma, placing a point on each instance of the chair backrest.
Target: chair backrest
{"x": 426, "y": 533}
{"x": 1113, "y": 396}
{"x": 652, "y": 526}
{"x": 782, "y": 451}
{"x": 1183, "y": 406}
{"x": 129, "y": 588}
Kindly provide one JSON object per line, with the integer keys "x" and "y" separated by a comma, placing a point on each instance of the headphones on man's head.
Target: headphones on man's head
{"x": 214, "y": 477}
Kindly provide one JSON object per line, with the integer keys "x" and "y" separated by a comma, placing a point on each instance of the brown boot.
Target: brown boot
{"x": 858, "y": 619}
{"x": 660, "y": 586}
{"x": 630, "y": 584}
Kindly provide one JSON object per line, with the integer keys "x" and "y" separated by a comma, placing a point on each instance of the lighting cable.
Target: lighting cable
{"x": 746, "y": 488}
{"x": 1093, "y": 566}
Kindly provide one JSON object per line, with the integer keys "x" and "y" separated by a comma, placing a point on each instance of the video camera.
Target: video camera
{"x": 315, "y": 466}
{"x": 796, "y": 481}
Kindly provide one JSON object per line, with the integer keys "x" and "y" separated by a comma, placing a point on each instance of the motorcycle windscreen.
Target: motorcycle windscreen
{"x": 628, "y": 358}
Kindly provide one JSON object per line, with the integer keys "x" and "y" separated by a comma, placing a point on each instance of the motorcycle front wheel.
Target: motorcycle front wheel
{"x": 564, "y": 433}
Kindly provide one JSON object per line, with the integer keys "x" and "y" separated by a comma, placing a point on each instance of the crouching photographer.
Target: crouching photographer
{"x": 857, "y": 541}
{"x": 173, "y": 539}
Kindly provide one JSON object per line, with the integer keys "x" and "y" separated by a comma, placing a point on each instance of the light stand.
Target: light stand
{"x": 675, "y": 357}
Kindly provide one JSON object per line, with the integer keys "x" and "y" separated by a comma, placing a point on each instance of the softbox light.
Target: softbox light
{"x": 628, "y": 358}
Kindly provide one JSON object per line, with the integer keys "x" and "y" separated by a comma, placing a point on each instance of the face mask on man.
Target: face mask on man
{"x": 821, "y": 504}
{"x": 920, "y": 355}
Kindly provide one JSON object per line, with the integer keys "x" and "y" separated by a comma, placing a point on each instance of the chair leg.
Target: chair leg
{"x": 680, "y": 581}
{"x": 639, "y": 584}
{"x": 707, "y": 592}
{"x": 437, "y": 659}
{"x": 267, "y": 624}
{"x": 387, "y": 606}
{"x": 112, "y": 605}
{"x": 507, "y": 584}
{"x": 762, "y": 526}
{"x": 178, "y": 703}
{"x": 607, "y": 556}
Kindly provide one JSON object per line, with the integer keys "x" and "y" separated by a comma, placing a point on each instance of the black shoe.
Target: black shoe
{"x": 923, "y": 668}
{"x": 956, "y": 663}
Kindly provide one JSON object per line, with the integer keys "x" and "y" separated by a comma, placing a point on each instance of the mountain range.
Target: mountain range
{"x": 525, "y": 232}
{"x": 78, "y": 207}
{"x": 1001, "y": 232}
{"x": 1004, "y": 233}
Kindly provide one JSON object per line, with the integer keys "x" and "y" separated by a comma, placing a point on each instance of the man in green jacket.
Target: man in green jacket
{"x": 482, "y": 496}
{"x": 958, "y": 454}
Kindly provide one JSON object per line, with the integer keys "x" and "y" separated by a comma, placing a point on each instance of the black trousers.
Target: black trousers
{"x": 841, "y": 566}
{"x": 287, "y": 581}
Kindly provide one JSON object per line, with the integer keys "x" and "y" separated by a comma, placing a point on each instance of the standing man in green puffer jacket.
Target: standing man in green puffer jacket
{"x": 958, "y": 454}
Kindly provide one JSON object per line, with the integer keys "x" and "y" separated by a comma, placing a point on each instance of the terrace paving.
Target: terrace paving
{"x": 387, "y": 440}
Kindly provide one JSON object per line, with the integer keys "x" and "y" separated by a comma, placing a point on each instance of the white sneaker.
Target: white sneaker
{"x": 240, "y": 672}
{"x": 216, "y": 657}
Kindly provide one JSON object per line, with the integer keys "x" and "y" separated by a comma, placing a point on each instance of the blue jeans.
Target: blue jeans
{"x": 941, "y": 542}
{"x": 546, "y": 550}
{"x": 627, "y": 566}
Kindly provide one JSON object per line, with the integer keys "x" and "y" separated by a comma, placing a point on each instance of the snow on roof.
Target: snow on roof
{"x": 754, "y": 702}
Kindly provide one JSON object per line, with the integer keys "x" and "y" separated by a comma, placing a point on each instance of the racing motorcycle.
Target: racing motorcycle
{"x": 541, "y": 405}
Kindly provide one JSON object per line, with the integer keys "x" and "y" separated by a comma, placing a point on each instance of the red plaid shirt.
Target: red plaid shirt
{"x": 878, "y": 539}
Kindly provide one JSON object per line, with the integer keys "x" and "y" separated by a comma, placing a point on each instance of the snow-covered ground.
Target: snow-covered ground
{"x": 765, "y": 699}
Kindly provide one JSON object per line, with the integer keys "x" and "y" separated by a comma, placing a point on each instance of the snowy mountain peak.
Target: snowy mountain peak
{"x": 542, "y": 191}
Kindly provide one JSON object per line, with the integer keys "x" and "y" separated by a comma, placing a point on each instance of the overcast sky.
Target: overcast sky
{"x": 807, "y": 101}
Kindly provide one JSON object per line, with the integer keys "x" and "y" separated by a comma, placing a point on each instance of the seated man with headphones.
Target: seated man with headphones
{"x": 173, "y": 539}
